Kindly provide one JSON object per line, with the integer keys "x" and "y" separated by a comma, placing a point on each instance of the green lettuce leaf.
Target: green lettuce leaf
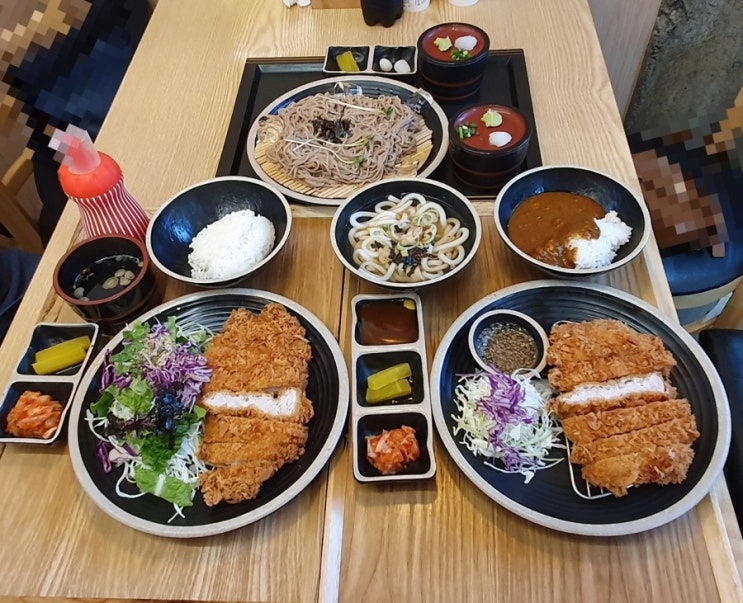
{"x": 171, "y": 489}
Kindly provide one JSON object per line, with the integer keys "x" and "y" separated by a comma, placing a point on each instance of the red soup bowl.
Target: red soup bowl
{"x": 485, "y": 156}
{"x": 452, "y": 75}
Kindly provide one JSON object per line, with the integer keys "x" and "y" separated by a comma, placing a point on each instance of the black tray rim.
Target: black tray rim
{"x": 239, "y": 125}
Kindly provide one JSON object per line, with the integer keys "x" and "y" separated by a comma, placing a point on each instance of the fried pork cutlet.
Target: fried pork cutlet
{"x": 255, "y": 352}
{"x": 289, "y": 404}
{"x": 682, "y": 431}
{"x": 583, "y": 429}
{"x": 229, "y": 440}
{"x": 237, "y": 482}
{"x": 600, "y": 350}
{"x": 256, "y": 405}
{"x": 633, "y": 390}
{"x": 656, "y": 464}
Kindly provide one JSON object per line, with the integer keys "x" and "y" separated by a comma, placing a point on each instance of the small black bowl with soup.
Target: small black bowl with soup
{"x": 107, "y": 280}
{"x": 571, "y": 221}
{"x": 488, "y": 144}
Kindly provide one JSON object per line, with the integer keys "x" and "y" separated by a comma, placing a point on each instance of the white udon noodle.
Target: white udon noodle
{"x": 411, "y": 225}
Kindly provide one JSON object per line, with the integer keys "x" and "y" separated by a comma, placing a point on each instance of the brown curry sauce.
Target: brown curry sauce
{"x": 542, "y": 225}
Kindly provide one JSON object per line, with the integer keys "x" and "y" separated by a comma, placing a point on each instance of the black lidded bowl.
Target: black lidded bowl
{"x": 479, "y": 164}
{"x": 184, "y": 215}
{"x": 450, "y": 80}
{"x": 602, "y": 188}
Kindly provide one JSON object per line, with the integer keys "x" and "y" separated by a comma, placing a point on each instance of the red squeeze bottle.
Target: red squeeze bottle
{"x": 94, "y": 181}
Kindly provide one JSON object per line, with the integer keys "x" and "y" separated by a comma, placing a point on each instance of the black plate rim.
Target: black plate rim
{"x": 685, "y": 504}
{"x": 322, "y": 85}
{"x": 143, "y": 525}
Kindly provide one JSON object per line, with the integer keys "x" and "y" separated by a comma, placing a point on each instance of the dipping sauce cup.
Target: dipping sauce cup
{"x": 477, "y": 162}
{"x": 447, "y": 75}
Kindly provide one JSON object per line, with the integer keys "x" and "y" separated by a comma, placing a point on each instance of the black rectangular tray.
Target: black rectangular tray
{"x": 263, "y": 81}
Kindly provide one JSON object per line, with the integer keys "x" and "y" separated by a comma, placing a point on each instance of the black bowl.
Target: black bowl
{"x": 183, "y": 216}
{"x": 483, "y": 166}
{"x": 455, "y": 204}
{"x": 450, "y": 80}
{"x": 111, "y": 313}
{"x": 608, "y": 192}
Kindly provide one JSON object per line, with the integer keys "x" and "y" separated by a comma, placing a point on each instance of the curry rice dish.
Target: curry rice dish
{"x": 617, "y": 407}
{"x": 257, "y": 410}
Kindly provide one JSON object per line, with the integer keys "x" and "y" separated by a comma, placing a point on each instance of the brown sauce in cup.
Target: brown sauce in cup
{"x": 542, "y": 225}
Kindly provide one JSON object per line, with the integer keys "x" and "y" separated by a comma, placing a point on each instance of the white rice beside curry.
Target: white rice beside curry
{"x": 600, "y": 252}
{"x": 231, "y": 246}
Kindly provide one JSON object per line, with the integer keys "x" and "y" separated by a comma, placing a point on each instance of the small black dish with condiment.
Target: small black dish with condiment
{"x": 452, "y": 75}
{"x": 107, "y": 280}
{"x": 508, "y": 340}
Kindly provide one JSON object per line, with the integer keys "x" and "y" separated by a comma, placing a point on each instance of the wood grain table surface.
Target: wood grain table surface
{"x": 436, "y": 541}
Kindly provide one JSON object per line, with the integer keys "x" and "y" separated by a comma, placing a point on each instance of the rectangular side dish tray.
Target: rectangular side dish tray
{"x": 370, "y": 60}
{"x": 378, "y": 346}
{"x": 60, "y": 385}
{"x": 505, "y": 82}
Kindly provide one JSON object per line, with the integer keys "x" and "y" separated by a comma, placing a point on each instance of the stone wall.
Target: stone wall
{"x": 694, "y": 64}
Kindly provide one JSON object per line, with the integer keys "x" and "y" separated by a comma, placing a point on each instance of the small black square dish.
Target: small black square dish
{"x": 47, "y": 335}
{"x": 386, "y": 321}
{"x": 394, "y": 61}
{"x": 32, "y": 394}
{"x": 372, "y": 364}
{"x": 336, "y": 55}
{"x": 373, "y": 425}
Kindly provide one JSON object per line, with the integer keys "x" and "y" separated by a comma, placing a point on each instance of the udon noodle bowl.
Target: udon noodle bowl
{"x": 329, "y": 145}
{"x": 407, "y": 240}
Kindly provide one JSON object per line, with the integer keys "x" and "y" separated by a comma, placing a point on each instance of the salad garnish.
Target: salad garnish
{"x": 466, "y": 130}
{"x": 146, "y": 419}
{"x": 507, "y": 418}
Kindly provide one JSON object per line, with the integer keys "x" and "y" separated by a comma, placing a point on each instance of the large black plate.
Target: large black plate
{"x": 371, "y": 86}
{"x": 549, "y": 498}
{"x": 327, "y": 388}
{"x": 505, "y": 82}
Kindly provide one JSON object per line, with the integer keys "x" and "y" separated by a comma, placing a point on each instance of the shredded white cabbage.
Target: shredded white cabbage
{"x": 520, "y": 433}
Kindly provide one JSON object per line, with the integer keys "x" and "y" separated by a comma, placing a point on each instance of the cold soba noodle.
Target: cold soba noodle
{"x": 326, "y": 140}
{"x": 407, "y": 240}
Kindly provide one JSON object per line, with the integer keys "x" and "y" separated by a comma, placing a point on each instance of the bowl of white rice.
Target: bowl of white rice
{"x": 219, "y": 232}
{"x": 571, "y": 221}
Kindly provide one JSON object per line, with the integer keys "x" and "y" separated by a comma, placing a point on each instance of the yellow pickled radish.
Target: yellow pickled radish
{"x": 346, "y": 62}
{"x": 389, "y": 375}
{"x": 409, "y": 304}
{"x": 61, "y": 348}
{"x": 58, "y": 362}
{"x": 397, "y": 389}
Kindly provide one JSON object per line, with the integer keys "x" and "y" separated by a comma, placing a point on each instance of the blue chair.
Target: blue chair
{"x": 693, "y": 184}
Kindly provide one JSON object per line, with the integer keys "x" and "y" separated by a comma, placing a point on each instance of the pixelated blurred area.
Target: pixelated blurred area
{"x": 691, "y": 176}
{"x": 64, "y": 64}
{"x": 61, "y": 63}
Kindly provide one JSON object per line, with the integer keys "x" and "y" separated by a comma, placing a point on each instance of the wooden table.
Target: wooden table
{"x": 442, "y": 540}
